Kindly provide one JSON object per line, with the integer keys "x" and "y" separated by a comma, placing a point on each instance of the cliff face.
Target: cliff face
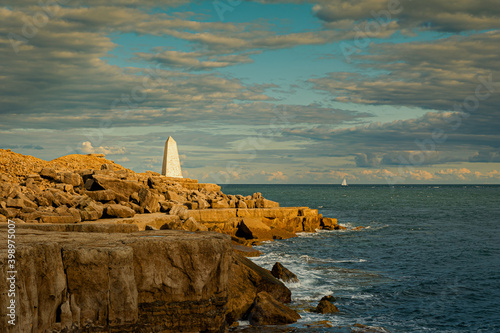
{"x": 168, "y": 281}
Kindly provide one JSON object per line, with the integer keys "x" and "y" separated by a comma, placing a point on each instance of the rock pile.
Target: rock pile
{"x": 61, "y": 192}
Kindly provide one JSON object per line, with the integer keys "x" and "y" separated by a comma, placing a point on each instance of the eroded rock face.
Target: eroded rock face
{"x": 168, "y": 281}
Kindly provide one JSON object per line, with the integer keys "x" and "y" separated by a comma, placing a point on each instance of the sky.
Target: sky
{"x": 259, "y": 91}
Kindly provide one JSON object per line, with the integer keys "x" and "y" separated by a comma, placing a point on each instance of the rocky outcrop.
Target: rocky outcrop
{"x": 165, "y": 281}
{"x": 60, "y": 192}
{"x": 81, "y": 218}
{"x": 247, "y": 281}
{"x": 268, "y": 311}
{"x": 326, "y": 305}
{"x": 281, "y": 272}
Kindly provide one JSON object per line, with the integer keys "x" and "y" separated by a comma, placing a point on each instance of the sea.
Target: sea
{"x": 428, "y": 259}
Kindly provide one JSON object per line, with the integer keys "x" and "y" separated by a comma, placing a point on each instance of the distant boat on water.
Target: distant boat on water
{"x": 344, "y": 182}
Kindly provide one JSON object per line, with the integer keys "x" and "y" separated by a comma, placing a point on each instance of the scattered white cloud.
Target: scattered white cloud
{"x": 87, "y": 148}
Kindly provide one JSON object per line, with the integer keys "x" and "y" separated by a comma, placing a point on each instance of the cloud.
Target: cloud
{"x": 30, "y": 146}
{"x": 87, "y": 148}
{"x": 486, "y": 156}
{"x": 277, "y": 175}
{"x": 440, "y": 15}
{"x": 461, "y": 173}
{"x": 436, "y": 75}
{"x": 366, "y": 160}
{"x": 191, "y": 61}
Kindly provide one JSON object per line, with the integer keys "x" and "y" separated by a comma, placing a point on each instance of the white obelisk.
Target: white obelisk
{"x": 171, "y": 164}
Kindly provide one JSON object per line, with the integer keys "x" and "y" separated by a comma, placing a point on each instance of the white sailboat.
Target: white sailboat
{"x": 344, "y": 182}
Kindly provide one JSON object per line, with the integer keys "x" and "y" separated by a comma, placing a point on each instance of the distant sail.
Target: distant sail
{"x": 344, "y": 182}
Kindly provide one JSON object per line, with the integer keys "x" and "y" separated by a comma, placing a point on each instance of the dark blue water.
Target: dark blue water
{"x": 429, "y": 260}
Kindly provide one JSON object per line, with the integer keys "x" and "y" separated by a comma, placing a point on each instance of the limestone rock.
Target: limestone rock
{"x": 20, "y": 203}
{"x": 148, "y": 201}
{"x": 248, "y": 279}
{"x": 253, "y": 228}
{"x": 241, "y": 204}
{"x": 71, "y": 178}
{"x": 219, "y": 204}
{"x": 49, "y": 173}
{"x": 264, "y": 203}
{"x": 180, "y": 211}
{"x": 92, "y": 212}
{"x": 325, "y": 305}
{"x": 328, "y": 223}
{"x": 102, "y": 195}
{"x": 118, "y": 211}
{"x": 250, "y": 203}
{"x": 124, "y": 187}
{"x": 202, "y": 204}
{"x": 171, "y": 195}
{"x": 281, "y": 272}
{"x": 68, "y": 218}
{"x": 168, "y": 281}
{"x": 268, "y": 311}
{"x": 188, "y": 225}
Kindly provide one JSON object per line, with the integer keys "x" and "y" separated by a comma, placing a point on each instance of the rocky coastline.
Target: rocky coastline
{"x": 100, "y": 248}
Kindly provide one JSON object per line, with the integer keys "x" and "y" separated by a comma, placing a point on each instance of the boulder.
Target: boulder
{"x": 219, "y": 204}
{"x": 102, "y": 195}
{"x": 325, "y": 305}
{"x": 49, "y": 173}
{"x": 264, "y": 203}
{"x": 202, "y": 204}
{"x": 268, "y": 311}
{"x": 191, "y": 205}
{"x": 328, "y": 223}
{"x": 253, "y": 228}
{"x": 118, "y": 211}
{"x": 180, "y": 211}
{"x": 20, "y": 203}
{"x": 148, "y": 201}
{"x": 250, "y": 203}
{"x": 71, "y": 178}
{"x": 173, "y": 196}
{"x": 91, "y": 212}
{"x": 246, "y": 280}
{"x": 188, "y": 225}
{"x": 281, "y": 272}
{"x": 124, "y": 187}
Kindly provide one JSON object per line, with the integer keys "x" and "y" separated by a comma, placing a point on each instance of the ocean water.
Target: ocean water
{"x": 428, "y": 260}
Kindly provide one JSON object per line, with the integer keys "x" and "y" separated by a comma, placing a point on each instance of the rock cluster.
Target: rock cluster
{"x": 60, "y": 192}
{"x": 82, "y": 219}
